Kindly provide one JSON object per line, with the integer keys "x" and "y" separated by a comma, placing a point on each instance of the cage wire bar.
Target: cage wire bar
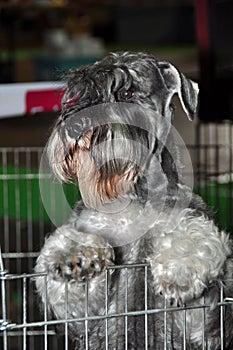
{"x": 24, "y": 224}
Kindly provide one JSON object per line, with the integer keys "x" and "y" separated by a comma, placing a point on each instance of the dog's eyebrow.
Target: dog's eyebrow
{"x": 121, "y": 77}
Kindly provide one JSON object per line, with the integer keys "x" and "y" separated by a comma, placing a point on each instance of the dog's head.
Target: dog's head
{"x": 134, "y": 78}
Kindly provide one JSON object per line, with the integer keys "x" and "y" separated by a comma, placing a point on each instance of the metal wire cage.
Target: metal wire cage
{"x": 24, "y": 223}
{"x": 212, "y": 157}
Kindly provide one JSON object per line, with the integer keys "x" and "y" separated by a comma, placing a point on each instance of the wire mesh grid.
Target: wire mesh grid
{"x": 24, "y": 223}
{"x": 24, "y": 332}
{"x": 212, "y": 157}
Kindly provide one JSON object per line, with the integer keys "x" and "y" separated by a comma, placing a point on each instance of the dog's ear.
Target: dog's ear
{"x": 186, "y": 89}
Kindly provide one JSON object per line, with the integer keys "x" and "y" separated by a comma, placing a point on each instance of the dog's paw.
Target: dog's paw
{"x": 188, "y": 258}
{"x": 178, "y": 285}
{"x": 176, "y": 295}
{"x": 72, "y": 255}
{"x": 83, "y": 264}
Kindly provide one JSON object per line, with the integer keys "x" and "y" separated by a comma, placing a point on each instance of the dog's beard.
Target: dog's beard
{"x": 101, "y": 186}
{"x": 106, "y": 161}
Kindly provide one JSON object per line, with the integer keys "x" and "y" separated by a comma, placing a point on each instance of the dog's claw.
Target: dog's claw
{"x": 179, "y": 302}
{"x": 172, "y": 300}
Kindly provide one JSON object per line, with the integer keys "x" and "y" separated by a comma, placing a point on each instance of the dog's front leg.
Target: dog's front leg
{"x": 188, "y": 258}
{"x": 69, "y": 258}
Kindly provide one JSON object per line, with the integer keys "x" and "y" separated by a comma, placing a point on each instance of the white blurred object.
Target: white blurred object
{"x": 86, "y": 45}
{"x": 58, "y": 42}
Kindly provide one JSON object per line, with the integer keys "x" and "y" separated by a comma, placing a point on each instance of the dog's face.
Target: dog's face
{"x": 134, "y": 78}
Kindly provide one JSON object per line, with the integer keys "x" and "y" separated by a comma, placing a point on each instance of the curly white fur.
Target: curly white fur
{"x": 188, "y": 257}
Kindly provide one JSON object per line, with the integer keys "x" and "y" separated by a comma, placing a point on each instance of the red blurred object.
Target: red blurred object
{"x": 43, "y": 101}
{"x": 17, "y": 99}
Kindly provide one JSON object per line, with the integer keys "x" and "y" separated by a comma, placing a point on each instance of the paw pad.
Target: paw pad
{"x": 84, "y": 264}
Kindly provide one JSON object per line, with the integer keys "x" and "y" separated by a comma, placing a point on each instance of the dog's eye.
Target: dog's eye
{"x": 124, "y": 95}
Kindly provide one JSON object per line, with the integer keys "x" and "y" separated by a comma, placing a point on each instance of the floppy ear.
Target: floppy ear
{"x": 186, "y": 89}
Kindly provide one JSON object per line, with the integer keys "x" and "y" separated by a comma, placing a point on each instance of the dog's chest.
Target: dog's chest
{"x": 119, "y": 226}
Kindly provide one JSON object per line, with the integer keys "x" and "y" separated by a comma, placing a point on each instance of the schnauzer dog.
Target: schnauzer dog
{"x": 114, "y": 136}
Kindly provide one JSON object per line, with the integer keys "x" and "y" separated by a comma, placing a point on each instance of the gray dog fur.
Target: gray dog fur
{"x": 188, "y": 260}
